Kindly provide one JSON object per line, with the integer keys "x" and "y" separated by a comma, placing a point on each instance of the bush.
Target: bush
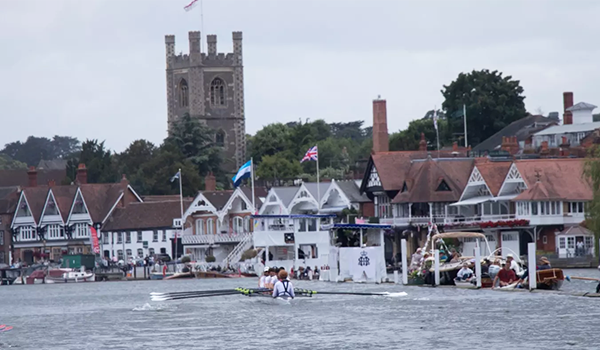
{"x": 249, "y": 254}
{"x": 210, "y": 259}
{"x": 186, "y": 259}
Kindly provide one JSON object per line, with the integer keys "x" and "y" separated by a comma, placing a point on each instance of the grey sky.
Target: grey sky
{"x": 95, "y": 69}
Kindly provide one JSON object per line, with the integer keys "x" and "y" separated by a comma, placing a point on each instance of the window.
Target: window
{"x": 589, "y": 243}
{"x": 119, "y": 237}
{"x": 510, "y": 237}
{"x": 129, "y": 254}
{"x": 217, "y": 92}
{"x": 163, "y": 250}
{"x": 238, "y": 224}
{"x": 210, "y": 227}
{"x": 545, "y": 240}
{"x": 79, "y": 206}
{"x": 220, "y": 138}
{"x": 164, "y": 236}
{"x": 561, "y": 243}
{"x": 576, "y": 208}
{"x": 81, "y": 231}
{"x": 302, "y": 225}
{"x": 51, "y": 207}
{"x": 120, "y": 254}
{"x": 443, "y": 186}
{"x": 534, "y": 208}
{"x": 54, "y": 232}
{"x": 140, "y": 237}
{"x": 23, "y": 210}
{"x": 105, "y": 238}
{"x": 404, "y": 187}
{"x": 140, "y": 252}
{"x": 571, "y": 242}
{"x": 312, "y": 225}
{"x": 246, "y": 224}
{"x": 183, "y": 93}
{"x": 155, "y": 236}
{"x": 151, "y": 251}
{"x": 128, "y": 239}
{"x": 199, "y": 227}
{"x": 244, "y": 205}
{"x": 382, "y": 206}
{"x": 2, "y": 258}
{"x": 27, "y": 233}
{"x": 1, "y": 237}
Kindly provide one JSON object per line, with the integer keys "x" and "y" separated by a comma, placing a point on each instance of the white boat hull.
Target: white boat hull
{"x": 72, "y": 277}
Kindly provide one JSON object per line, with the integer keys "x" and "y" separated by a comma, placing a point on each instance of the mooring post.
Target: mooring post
{"x": 436, "y": 257}
{"x": 404, "y": 262}
{"x": 531, "y": 265}
{"x": 478, "y": 262}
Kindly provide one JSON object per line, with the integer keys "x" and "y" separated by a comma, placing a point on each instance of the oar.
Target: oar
{"x": 312, "y": 292}
{"x": 201, "y": 292}
{"x": 6, "y": 329}
{"x": 176, "y": 297}
{"x": 569, "y": 278}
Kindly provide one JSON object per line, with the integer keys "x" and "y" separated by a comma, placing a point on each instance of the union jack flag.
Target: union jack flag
{"x": 311, "y": 154}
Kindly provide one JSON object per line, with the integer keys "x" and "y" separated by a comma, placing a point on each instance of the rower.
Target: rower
{"x": 271, "y": 279}
{"x": 283, "y": 288}
{"x": 263, "y": 279}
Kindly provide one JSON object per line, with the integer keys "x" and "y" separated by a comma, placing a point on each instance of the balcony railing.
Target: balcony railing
{"x": 446, "y": 220}
{"x": 215, "y": 238}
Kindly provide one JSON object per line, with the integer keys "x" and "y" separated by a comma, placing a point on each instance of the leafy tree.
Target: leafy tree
{"x": 196, "y": 142}
{"x": 492, "y": 102}
{"x": 64, "y": 147}
{"x": 276, "y": 168}
{"x": 98, "y": 161}
{"x": 35, "y": 149}
{"x": 268, "y": 141}
{"x": 592, "y": 211}
{"x": 408, "y": 140}
{"x": 6, "y": 163}
{"x": 137, "y": 154}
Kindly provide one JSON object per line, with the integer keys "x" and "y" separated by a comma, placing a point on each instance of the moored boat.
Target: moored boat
{"x": 550, "y": 279}
{"x": 70, "y": 276}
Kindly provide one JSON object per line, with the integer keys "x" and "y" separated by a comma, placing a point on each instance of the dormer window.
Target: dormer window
{"x": 404, "y": 187}
{"x": 443, "y": 186}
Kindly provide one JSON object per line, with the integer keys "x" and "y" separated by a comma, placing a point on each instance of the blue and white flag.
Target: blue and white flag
{"x": 176, "y": 176}
{"x": 244, "y": 173}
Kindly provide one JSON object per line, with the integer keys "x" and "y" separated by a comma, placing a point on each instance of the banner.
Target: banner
{"x": 360, "y": 263}
{"x": 95, "y": 243}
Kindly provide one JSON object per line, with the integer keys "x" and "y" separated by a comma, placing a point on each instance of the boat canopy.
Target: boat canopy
{"x": 458, "y": 235}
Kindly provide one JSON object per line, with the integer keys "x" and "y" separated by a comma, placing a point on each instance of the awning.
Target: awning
{"x": 472, "y": 201}
{"x": 505, "y": 198}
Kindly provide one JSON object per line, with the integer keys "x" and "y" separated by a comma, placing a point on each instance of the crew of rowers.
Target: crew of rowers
{"x": 277, "y": 280}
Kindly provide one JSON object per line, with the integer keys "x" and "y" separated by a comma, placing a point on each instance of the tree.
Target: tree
{"x": 592, "y": 211}
{"x": 492, "y": 102}
{"x": 276, "y": 168}
{"x": 35, "y": 149}
{"x": 97, "y": 160}
{"x": 409, "y": 139}
{"x": 196, "y": 142}
{"x": 137, "y": 154}
{"x": 268, "y": 141}
{"x": 7, "y": 163}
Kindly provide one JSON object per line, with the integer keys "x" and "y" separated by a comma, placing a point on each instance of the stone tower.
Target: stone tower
{"x": 210, "y": 86}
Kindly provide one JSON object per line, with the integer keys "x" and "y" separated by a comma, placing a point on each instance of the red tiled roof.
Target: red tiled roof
{"x": 36, "y": 197}
{"x": 20, "y": 177}
{"x": 392, "y": 166}
{"x": 424, "y": 177}
{"x": 162, "y": 198}
{"x": 100, "y": 198}
{"x": 9, "y": 197}
{"x": 558, "y": 179}
{"x": 493, "y": 173}
{"x": 146, "y": 215}
{"x": 64, "y": 196}
{"x": 217, "y": 198}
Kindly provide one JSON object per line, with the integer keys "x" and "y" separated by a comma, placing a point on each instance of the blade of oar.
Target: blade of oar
{"x": 6, "y": 329}
{"x": 569, "y": 278}
{"x": 201, "y": 292}
{"x": 159, "y": 298}
{"x": 2, "y": 326}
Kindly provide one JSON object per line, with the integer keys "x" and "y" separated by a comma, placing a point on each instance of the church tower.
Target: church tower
{"x": 210, "y": 86}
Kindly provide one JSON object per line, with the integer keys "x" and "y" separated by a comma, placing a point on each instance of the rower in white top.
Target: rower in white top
{"x": 272, "y": 278}
{"x": 262, "y": 281}
{"x": 283, "y": 288}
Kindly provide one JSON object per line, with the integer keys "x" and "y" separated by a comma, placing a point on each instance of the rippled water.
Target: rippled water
{"x": 120, "y": 315}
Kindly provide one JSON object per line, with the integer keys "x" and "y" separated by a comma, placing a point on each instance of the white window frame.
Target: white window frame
{"x": 199, "y": 226}
{"x": 210, "y": 226}
{"x": 238, "y": 224}
{"x": 27, "y": 233}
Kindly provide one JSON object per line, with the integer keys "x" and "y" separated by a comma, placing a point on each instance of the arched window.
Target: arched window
{"x": 210, "y": 227}
{"x": 217, "y": 92}
{"x": 199, "y": 227}
{"x": 183, "y": 93}
{"x": 220, "y": 138}
{"x": 238, "y": 224}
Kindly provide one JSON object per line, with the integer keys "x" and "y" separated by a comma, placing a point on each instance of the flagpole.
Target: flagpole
{"x": 181, "y": 204}
{"x": 465, "y": 118}
{"x": 252, "y": 180}
{"x": 318, "y": 186}
{"x": 437, "y": 130}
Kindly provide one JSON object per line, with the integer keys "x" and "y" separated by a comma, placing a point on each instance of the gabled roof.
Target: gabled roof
{"x": 522, "y": 129}
{"x": 64, "y": 195}
{"x": 493, "y": 173}
{"x": 312, "y": 188}
{"x": 424, "y": 177}
{"x": 100, "y": 198}
{"x": 392, "y": 166}
{"x": 20, "y": 177}
{"x": 248, "y": 193}
{"x": 145, "y": 215}
{"x": 554, "y": 179}
{"x": 582, "y": 106}
{"x": 36, "y": 197}
{"x": 217, "y": 198}
{"x": 352, "y": 191}
{"x": 285, "y": 194}
{"x": 55, "y": 164}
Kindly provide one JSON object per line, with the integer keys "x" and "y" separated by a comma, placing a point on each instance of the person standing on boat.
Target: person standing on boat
{"x": 263, "y": 279}
{"x": 283, "y": 288}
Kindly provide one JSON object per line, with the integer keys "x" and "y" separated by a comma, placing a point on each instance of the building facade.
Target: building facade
{"x": 210, "y": 86}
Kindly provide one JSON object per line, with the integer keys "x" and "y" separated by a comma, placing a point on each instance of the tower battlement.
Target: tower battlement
{"x": 210, "y": 56}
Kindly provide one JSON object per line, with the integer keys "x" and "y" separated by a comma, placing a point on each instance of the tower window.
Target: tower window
{"x": 220, "y": 138}
{"x": 217, "y": 92}
{"x": 183, "y": 93}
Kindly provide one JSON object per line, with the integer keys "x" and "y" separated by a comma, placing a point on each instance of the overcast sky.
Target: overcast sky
{"x": 96, "y": 68}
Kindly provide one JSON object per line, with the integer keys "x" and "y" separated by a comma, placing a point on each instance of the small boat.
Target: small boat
{"x": 70, "y": 276}
{"x": 180, "y": 275}
{"x": 212, "y": 274}
{"x": 550, "y": 279}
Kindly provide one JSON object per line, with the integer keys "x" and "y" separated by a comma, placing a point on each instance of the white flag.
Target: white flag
{"x": 435, "y": 119}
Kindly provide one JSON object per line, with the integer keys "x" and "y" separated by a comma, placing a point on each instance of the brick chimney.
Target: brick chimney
{"x": 210, "y": 182}
{"x": 567, "y": 103}
{"x": 381, "y": 141}
{"x": 32, "y": 175}
{"x": 423, "y": 143}
{"x": 81, "y": 174}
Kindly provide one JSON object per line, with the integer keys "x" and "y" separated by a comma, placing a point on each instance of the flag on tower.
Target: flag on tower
{"x": 191, "y": 5}
{"x": 311, "y": 154}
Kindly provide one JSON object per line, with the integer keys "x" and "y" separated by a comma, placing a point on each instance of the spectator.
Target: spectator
{"x": 505, "y": 277}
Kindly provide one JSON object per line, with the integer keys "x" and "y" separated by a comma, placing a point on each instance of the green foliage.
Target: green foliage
{"x": 7, "y": 163}
{"x": 35, "y": 149}
{"x": 210, "y": 259}
{"x": 277, "y": 167}
{"x": 408, "y": 139}
{"x": 98, "y": 160}
{"x": 492, "y": 102}
{"x": 592, "y": 210}
{"x": 186, "y": 259}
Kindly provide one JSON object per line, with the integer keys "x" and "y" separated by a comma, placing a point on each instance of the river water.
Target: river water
{"x": 120, "y": 315}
